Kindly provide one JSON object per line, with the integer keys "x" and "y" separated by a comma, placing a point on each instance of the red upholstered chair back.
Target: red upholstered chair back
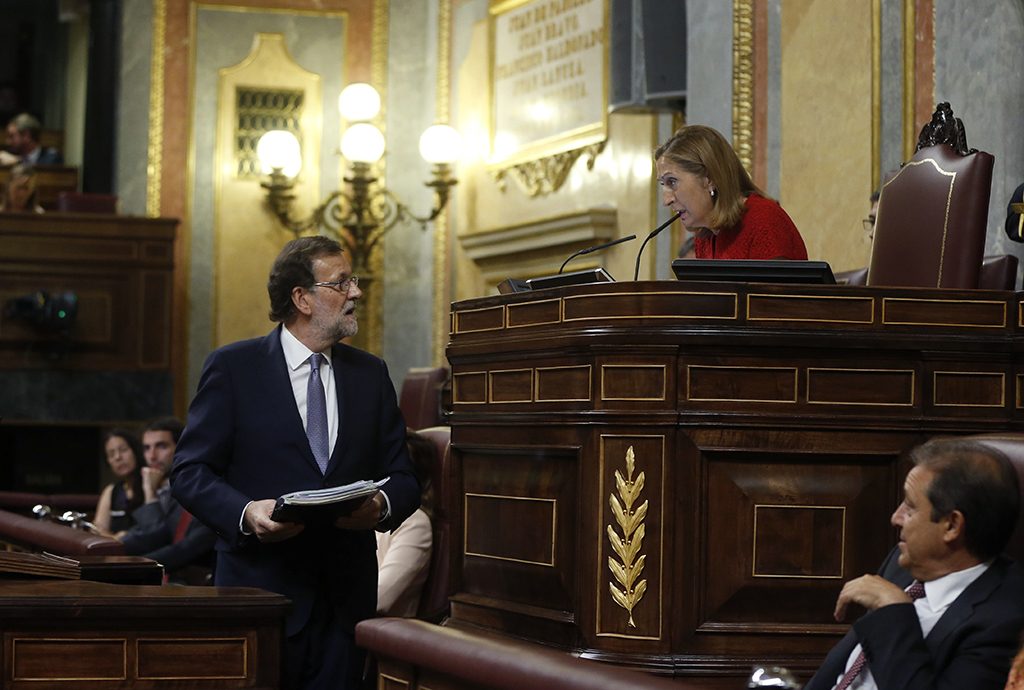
{"x": 420, "y": 397}
{"x": 1012, "y": 445}
{"x": 931, "y": 222}
{"x": 79, "y": 202}
{"x": 434, "y": 600}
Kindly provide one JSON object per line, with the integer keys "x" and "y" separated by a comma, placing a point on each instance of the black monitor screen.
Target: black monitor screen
{"x": 754, "y": 270}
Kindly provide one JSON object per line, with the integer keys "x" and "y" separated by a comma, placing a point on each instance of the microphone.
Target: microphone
{"x": 652, "y": 235}
{"x": 596, "y": 248}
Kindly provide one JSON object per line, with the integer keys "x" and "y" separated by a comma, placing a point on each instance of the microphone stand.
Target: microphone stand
{"x": 595, "y": 248}
{"x": 652, "y": 235}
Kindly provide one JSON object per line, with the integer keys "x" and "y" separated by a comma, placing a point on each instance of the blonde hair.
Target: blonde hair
{"x": 703, "y": 151}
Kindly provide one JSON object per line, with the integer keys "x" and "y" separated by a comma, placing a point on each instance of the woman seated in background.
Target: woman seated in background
{"x": 403, "y": 556}
{"x": 20, "y": 193}
{"x": 703, "y": 181}
{"x": 124, "y": 495}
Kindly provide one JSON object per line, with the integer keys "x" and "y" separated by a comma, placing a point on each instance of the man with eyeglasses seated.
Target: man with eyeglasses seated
{"x": 298, "y": 410}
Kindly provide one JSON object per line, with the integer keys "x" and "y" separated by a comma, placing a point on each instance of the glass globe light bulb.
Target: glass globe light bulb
{"x": 278, "y": 149}
{"x": 440, "y": 144}
{"x": 358, "y": 102}
{"x": 362, "y": 143}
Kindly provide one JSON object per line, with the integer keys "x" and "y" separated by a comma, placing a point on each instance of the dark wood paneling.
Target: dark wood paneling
{"x": 120, "y": 268}
{"x": 768, "y": 426}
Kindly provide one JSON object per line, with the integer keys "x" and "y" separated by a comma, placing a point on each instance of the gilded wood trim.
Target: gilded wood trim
{"x": 612, "y": 295}
{"x": 993, "y": 374}
{"x": 155, "y": 143}
{"x": 664, "y": 380}
{"x": 490, "y": 385}
{"x": 244, "y": 641}
{"x": 820, "y": 298}
{"x": 844, "y": 370}
{"x": 458, "y": 323}
{"x": 693, "y": 367}
{"x": 554, "y": 523}
{"x": 442, "y": 279}
{"x": 14, "y": 657}
{"x": 743, "y": 80}
{"x": 455, "y": 387}
{"x": 887, "y": 322}
{"x": 511, "y": 307}
{"x": 842, "y": 545}
{"x": 590, "y": 383}
{"x": 381, "y": 677}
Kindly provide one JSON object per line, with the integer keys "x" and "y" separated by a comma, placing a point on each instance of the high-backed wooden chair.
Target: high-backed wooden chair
{"x": 933, "y": 212}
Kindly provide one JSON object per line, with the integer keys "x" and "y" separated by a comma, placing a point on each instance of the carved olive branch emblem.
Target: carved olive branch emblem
{"x": 626, "y": 570}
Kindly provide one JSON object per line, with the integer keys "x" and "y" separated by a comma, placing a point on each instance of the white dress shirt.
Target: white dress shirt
{"x": 938, "y": 596}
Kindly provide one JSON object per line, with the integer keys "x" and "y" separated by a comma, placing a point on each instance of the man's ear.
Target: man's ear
{"x": 301, "y": 299}
{"x": 955, "y": 527}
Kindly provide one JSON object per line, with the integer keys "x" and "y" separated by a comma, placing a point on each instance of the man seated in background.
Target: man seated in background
{"x": 23, "y": 132}
{"x": 948, "y": 610}
{"x": 163, "y": 530}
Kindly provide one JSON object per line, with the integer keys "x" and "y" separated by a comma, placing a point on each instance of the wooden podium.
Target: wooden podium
{"x": 680, "y": 477}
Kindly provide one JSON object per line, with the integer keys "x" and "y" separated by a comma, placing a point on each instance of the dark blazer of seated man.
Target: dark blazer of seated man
{"x": 958, "y": 512}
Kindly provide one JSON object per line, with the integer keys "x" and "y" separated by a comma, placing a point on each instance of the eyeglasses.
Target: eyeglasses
{"x": 869, "y": 224}
{"x": 342, "y": 286}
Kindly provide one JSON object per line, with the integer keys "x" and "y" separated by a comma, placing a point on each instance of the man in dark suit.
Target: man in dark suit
{"x": 23, "y": 133}
{"x": 163, "y": 530}
{"x": 947, "y": 610}
{"x": 297, "y": 410}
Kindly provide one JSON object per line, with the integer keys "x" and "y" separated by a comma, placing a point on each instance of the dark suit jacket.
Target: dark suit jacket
{"x": 153, "y": 536}
{"x": 244, "y": 440}
{"x": 971, "y": 645}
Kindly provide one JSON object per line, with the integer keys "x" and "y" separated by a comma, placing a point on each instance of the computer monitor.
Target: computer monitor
{"x": 754, "y": 271}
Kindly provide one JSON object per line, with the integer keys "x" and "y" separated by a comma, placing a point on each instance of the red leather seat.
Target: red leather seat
{"x": 420, "y": 398}
{"x": 80, "y": 202}
{"x": 997, "y": 273}
{"x": 931, "y": 223}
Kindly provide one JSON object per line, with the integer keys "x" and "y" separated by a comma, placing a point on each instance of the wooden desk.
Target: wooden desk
{"x": 74, "y": 634}
{"x": 755, "y": 436}
{"x": 51, "y": 180}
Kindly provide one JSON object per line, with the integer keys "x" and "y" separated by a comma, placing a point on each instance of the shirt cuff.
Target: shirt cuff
{"x": 241, "y": 520}
{"x": 387, "y": 508}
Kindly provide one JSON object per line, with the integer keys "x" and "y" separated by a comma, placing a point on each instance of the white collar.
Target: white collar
{"x": 295, "y": 353}
{"x": 943, "y": 591}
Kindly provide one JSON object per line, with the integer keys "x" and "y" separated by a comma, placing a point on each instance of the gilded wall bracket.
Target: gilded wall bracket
{"x": 546, "y": 175}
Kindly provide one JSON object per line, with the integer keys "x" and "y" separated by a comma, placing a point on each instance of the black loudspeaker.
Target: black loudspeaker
{"x": 648, "y": 55}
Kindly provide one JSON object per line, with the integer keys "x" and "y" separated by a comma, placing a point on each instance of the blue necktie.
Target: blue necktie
{"x": 316, "y": 414}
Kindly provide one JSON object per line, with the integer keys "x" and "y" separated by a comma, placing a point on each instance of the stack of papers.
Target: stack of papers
{"x": 324, "y": 505}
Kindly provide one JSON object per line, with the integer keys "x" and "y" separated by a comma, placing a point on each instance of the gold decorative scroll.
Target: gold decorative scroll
{"x": 627, "y": 569}
{"x": 547, "y": 175}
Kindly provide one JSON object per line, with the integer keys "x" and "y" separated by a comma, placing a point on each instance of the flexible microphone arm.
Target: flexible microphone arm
{"x": 595, "y": 249}
{"x": 653, "y": 234}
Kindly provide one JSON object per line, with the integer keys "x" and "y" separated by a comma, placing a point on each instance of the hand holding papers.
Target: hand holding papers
{"x": 324, "y": 505}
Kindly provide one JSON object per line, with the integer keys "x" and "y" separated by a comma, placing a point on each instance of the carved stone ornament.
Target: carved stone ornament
{"x": 548, "y": 174}
{"x": 630, "y": 564}
{"x": 944, "y": 128}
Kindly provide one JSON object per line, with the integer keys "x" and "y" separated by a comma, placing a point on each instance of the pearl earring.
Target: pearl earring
{"x": 714, "y": 192}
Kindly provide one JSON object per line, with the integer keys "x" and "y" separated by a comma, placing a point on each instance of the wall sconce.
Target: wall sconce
{"x": 359, "y": 214}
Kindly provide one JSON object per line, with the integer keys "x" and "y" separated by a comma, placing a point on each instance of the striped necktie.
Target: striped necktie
{"x": 914, "y": 591}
